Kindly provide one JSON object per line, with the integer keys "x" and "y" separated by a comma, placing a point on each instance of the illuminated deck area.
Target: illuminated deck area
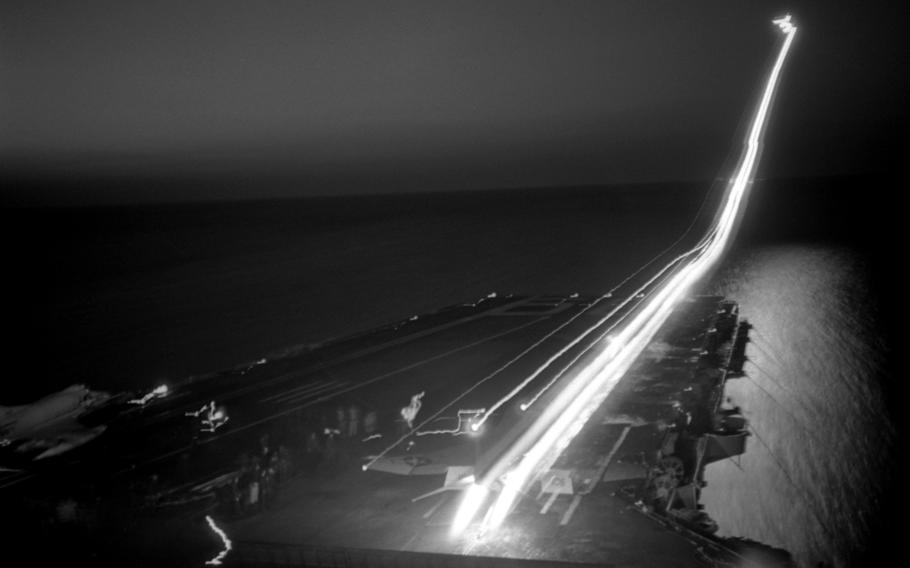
{"x": 584, "y": 511}
{"x": 322, "y": 413}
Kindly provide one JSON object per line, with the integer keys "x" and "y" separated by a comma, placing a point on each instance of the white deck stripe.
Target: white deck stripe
{"x": 302, "y": 388}
{"x": 321, "y": 392}
{"x": 601, "y": 471}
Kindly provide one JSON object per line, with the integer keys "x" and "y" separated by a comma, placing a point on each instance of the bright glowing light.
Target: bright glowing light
{"x": 526, "y": 405}
{"x": 473, "y": 499}
{"x": 784, "y": 24}
{"x": 539, "y": 446}
{"x": 158, "y": 392}
{"x": 250, "y": 367}
{"x": 212, "y": 418}
{"x": 216, "y": 561}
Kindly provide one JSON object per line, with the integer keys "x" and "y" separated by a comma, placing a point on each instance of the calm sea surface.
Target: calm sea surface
{"x": 811, "y": 480}
{"x": 126, "y": 297}
{"x": 122, "y": 298}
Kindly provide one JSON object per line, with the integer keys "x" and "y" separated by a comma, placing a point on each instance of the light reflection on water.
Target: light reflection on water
{"x": 821, "y": 439}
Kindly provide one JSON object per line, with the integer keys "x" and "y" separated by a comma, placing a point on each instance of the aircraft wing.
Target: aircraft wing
{"x": 60, "y": 442}
{"x": 50, "y": 426}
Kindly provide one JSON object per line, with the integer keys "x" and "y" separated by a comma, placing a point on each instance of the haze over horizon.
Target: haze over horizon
{"x": 226, "y": 100}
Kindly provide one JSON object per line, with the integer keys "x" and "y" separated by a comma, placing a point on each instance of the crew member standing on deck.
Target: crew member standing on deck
{"x": 341, "y": 420}
{"x": 370, "y": 422}
{"x": 353, "y": 420}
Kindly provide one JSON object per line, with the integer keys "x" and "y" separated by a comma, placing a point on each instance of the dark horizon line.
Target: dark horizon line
{"x": 101, "y": 203}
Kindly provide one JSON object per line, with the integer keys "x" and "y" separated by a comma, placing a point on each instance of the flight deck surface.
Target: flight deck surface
{"x": 328, "y": 410}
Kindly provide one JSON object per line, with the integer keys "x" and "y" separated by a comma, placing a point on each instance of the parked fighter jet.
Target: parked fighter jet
{"x": 51, "y": 423}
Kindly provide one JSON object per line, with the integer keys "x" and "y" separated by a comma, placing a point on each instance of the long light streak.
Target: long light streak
{"x": 214, "y": 417}
{"x": 465, "y": 418}
{"x": 609, "y": 294}
{"x": 541, "y": 444}
{"x": 533, "y": 346}
{"x": 559, "y": 374}
{"x": 474, "y": 497}
{"x": 521, "y": 386}
{"x": 158, "y": 392}
{"x": 216, "y": 561}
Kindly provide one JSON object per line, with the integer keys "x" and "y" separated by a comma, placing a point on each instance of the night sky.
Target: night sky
{"x": 134, "y": 100}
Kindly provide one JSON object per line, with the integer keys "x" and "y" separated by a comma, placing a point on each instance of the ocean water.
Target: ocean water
{"x": 821, "y": 448}
{"x": 813, "y": 271}
{"x": 125, "y": 297}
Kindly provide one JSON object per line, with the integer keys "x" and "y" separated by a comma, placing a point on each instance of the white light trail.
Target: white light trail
{"x": 214, "y": 417}
{"x": 250, "y": 367}
{"x": 158, "y": 392}
{"x": 476, "y": 427}
{"x": 521, "y": 386}
{"x": 216, "y": 561}
{"x": 466, "y": 418}
{"x": 606, "y": 333}
{"x": 638, "y": 294}
{"x": 541, "y": 444}
{"x": 474, "y": 497}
